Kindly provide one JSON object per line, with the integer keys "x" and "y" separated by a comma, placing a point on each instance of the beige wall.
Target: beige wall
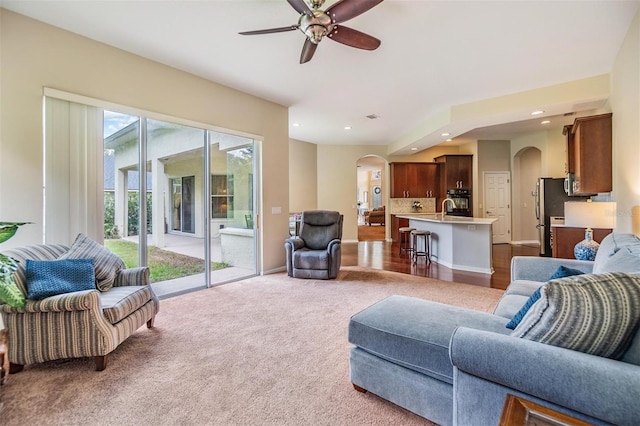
{"x": 493, "y": 156}
{"x": 303, "y": 172}
{"x": 625, "y": 105}
{"x": 338, "y": 182}
{"x": 35, "y": 55}
{"x": 527, "y": 166}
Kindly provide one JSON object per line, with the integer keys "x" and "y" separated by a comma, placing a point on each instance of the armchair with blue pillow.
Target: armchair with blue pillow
{"x": 573, "y": 347}
{"x": 72, "y": 302}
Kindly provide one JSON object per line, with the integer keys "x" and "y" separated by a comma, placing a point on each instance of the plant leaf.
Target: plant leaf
{"x": 8, "y": 229}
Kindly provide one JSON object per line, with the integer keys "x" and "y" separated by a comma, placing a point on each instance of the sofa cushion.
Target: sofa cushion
{"x": 311, "y": 259}
{"x": 51, "y": 277}
{"x": 592, "y": 313}
{"x": 514, "y": 297}
{"x": 609, "y": 246}
{"x": 523, "y": 287}
{"x": 626, "y": 259}
{"x": 106, "y": 263}
{"x": 415, "y": 333}
{"x": 517, "y": 318}
{"x": 119, "y": 302}
{"x": 36, "y": 252}
{"x": 561, "y": 272}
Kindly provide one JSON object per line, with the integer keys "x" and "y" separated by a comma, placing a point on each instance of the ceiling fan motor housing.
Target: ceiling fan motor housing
{"x": 315, "y": 26}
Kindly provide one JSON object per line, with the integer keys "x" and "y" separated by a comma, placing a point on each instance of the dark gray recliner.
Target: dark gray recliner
{"x": 317, "y": 252}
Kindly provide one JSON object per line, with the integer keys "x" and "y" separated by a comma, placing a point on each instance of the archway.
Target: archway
{"x": 371, "y": 198}
{"x": 527, "y": 169}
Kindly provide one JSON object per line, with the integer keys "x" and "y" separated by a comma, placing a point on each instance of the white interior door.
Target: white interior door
{"x": 497, "y": 204}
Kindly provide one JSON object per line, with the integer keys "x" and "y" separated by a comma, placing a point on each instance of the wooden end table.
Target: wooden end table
{"x": 518, "y": 411}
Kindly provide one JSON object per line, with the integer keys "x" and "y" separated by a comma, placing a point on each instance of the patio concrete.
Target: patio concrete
{"x": 194, "y": 247}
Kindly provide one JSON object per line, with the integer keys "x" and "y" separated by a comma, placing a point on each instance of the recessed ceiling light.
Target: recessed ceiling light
{"x": 414, "y": 149}
{"x": 347, "y": 127}
{"x": 449, "y": 140}
{"x": 295, "y": 125}
{"x": 538, "y": 112}
{"x": 446, "y": 134}
{"x": 545, "y": 122}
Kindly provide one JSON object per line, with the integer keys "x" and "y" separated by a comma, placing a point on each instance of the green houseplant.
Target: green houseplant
{"x": 9, "y": 291}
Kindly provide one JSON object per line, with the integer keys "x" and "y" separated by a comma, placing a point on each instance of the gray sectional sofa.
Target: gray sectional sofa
{"x": 456, "y": 366}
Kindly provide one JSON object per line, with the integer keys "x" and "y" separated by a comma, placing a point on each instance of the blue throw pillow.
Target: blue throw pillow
{"x": 525, "y": 308}
{"x": 563, "y": 272}
{"x": 47, "y": 278}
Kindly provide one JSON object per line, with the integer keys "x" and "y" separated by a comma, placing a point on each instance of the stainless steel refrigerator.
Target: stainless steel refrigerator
{"x": 550, "y": 196}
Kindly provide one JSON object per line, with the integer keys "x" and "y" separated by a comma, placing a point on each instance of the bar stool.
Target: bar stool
{"x": 404, "y": 236}
{"x": 417, "y": 234}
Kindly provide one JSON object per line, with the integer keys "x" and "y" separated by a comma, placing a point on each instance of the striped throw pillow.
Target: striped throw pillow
{"x": 593, "y": 313}
{"x": 106, "y": 263}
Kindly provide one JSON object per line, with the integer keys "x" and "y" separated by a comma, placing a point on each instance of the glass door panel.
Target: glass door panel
{"x": 233, "y": 237}
{"x": 199, "y": 210}
{"x": 176, "y": 232}
{"x": 121, "y": 185}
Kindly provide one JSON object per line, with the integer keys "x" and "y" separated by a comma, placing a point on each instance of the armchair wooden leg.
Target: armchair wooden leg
{"x": 15, "y": 368}
{"x": 151, "y": 322}
{"x": 358, "y": 388}
{"x": 101, "y": 362}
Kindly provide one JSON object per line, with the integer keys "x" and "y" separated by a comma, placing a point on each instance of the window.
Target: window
{"x": 221, "y": 196}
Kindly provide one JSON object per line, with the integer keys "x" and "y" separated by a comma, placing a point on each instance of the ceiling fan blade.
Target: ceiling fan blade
{"x": 271, "y": 30}
{"x": 348, "y": 9}
{"x": 353, "y": 38}
{"x": 300, "y": 6}
{"x": 308, "y": 50}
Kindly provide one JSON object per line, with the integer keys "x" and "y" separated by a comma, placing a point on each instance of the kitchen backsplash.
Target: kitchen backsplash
{"x": 405, "y": 205}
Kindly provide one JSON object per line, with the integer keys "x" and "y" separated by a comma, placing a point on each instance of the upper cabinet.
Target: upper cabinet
{"x": 589, "y": 156}
{"x": 455, "y": 171}
{"x": 414, "y": 180}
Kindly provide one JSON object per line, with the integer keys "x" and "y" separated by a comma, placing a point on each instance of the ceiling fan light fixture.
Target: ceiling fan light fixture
{"x": 316, "y": 24}
{"x": 315, "y": 33}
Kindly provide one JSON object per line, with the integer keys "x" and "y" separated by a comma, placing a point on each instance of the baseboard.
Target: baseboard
{"x": 275, "y": 270}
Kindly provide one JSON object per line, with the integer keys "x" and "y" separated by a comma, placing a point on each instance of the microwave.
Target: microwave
{"x": 569, "y": 184}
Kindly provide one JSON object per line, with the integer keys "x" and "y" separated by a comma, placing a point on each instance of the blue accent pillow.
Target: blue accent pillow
{"x": 525, "y": 308}
{"x": 47, "y": 278}
{"x": 561, "y": 272}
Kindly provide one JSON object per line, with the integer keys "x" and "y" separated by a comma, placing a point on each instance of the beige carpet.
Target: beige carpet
{"x": 269, "y": 350}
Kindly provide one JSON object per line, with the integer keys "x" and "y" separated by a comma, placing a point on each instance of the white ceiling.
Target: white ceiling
{"x": 434, "y": 54}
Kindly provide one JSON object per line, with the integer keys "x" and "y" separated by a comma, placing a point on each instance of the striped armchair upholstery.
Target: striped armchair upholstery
{"x": 87, "y": 323}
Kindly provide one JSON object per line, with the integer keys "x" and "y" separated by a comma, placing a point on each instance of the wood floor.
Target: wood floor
{"x": 384, "y": 255}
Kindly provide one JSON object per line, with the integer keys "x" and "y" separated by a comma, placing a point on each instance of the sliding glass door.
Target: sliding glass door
{"x": 233, "y": 237}
{"x": 179, "y": 199}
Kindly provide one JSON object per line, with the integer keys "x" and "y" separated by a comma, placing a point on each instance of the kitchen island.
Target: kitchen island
{"x": 460, "y": 243}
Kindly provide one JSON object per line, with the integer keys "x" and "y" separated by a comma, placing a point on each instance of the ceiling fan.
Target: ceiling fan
{"x": 316, "y": 24}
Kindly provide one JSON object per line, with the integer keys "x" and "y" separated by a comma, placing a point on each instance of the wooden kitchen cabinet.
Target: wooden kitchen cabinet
{"x": 589, "y": 154}
{"x": 455, "y": 172}
{"x": 565, "y": 239}
{"x": 414, "y": 180}
{"x": 396, "y": 224}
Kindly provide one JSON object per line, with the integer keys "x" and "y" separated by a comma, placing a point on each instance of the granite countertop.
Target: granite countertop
{"x": 437, "y": 217}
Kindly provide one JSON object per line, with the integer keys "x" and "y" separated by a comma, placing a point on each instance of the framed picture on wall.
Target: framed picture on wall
{"x": 376, "y": 175}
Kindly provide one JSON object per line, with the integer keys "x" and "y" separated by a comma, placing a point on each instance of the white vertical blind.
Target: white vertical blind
{"x": 73, "y": 185}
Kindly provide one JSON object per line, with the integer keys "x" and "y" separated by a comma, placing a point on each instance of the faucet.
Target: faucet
{"x": 444, "y": 202}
